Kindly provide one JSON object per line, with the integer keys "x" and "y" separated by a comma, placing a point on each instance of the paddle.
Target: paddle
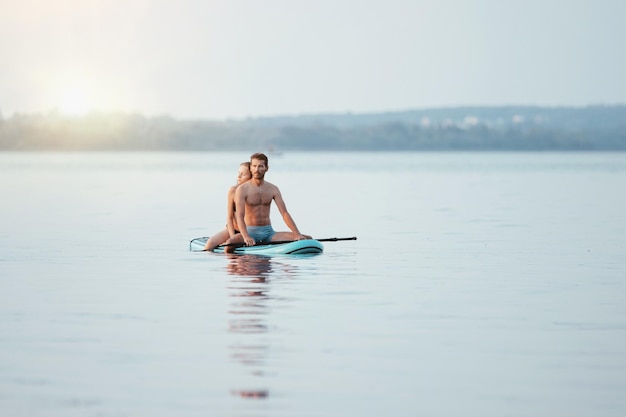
{"x": 280, "y": 242}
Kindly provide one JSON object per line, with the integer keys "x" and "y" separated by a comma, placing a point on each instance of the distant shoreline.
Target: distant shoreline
{"x": 507, "y": 128}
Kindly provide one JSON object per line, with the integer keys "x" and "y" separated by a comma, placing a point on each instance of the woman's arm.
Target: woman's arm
{"x": 230, "y": 211}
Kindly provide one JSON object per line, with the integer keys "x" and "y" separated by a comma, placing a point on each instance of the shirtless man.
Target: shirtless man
{"x": 253, "y": 200}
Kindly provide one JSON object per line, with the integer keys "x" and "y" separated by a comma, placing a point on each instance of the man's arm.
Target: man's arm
{"x": 240, "y": 212}
{"x": 282, "y": 209}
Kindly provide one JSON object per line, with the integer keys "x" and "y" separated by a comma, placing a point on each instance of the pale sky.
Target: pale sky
{"x": 248, "y": 58}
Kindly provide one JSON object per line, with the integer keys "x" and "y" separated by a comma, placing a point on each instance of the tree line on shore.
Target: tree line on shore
{"x": 455, "y": 129}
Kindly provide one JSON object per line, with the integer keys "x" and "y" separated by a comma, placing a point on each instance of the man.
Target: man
{"x": 253, "y": 201}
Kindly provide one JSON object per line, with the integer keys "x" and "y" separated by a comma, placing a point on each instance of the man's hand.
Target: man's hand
{"x": 249, "y": 241}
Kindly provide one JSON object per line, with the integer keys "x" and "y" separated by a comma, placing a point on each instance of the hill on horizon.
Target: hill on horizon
{"x": 456, "y": 128}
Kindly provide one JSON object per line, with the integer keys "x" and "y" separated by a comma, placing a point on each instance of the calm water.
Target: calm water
{"x": 480, "y": 285}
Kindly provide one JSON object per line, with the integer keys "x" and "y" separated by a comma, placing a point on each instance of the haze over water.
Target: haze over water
{"x": 481, "y": 284}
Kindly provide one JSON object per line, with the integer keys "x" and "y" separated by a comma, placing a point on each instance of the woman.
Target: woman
{"x": 231, "y": 223}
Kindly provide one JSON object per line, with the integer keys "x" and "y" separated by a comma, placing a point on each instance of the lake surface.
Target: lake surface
{"x": 481, "y": 284}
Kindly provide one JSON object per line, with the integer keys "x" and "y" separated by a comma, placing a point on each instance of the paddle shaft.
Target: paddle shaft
{"x": 280, "y": 242}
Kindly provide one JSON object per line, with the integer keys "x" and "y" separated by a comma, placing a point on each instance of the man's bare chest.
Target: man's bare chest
{"x": 258, "y": 199}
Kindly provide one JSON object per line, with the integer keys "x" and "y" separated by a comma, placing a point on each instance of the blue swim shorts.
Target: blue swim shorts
{"x": 261, "y": 233}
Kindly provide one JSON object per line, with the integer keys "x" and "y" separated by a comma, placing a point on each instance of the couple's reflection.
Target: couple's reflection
{"x": 248, "y": 317}
{"x": 249, "y": 265}
{"x": 250, "y": 290}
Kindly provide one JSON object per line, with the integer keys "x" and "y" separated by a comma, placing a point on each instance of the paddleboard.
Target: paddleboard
{"x": 297, "y": 247}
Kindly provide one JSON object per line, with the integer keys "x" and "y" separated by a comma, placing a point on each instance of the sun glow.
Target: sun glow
{"x": 74, "y": 101}
{"x": 74, "y": 97}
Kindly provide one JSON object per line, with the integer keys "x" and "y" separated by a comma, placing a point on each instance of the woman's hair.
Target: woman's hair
{"x": 246, "y": 164}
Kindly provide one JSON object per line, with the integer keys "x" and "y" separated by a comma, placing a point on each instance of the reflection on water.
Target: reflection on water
{"x": 249, "y": 265}
{"x": 249, "y": 314}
